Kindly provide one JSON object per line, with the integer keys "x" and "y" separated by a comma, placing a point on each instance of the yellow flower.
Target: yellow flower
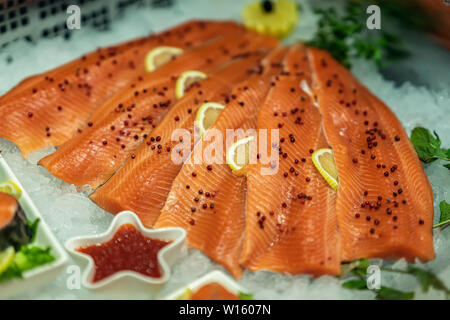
{"x": 276, "y": 18}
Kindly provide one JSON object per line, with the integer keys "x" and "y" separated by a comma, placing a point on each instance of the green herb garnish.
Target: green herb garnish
{"x": 427, "y": 280}
{"x": 444, "y": 219}
{"x": 345, "y": 36}
{"x": 358, "y": 269}
{"x": 245, "y": 296}
{"x": 27, "y": 258}
{"x": 355, "y": 284}
{"x": 386, "y": 293}
{"x": 409, "y": 14}
{"x": 33, "y": 226}
{"x": 428, "y": 147}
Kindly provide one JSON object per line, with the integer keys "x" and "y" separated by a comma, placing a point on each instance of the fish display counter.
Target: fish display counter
{"x": 224, "y": 150}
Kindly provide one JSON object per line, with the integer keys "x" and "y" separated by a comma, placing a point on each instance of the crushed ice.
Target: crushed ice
{"x": 70, "y": 213}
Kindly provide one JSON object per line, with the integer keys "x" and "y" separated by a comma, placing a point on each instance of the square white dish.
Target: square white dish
{"x": 44, "y": 238}
{"x": 214, "y": 276}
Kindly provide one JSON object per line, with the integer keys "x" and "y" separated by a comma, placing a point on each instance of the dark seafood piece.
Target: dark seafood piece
{"x": 14, "y": 229}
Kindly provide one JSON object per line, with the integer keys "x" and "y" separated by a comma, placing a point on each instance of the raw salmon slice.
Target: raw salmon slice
{"x": 213, "y": 291}
{"x": 384, "y": 201}
{"x": 143, "y": 183}
{"x": 120, "y": 125}
{"x": 291, "y": 225}
{"x": 218, "y": 229}
{"x": 47, "y": 109}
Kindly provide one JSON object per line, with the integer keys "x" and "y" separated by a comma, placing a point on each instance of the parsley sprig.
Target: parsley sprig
{"x": 428, "y": 147}
{"x": 28, "y": 257}
{"x": 444, "y": 219}
{"x": 358, "y": 269}
{"x": 245, "y": 296}
{"x": 345, "y": 36}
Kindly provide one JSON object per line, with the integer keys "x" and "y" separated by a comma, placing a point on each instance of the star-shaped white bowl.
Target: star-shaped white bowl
{"x": 124, "y": 283}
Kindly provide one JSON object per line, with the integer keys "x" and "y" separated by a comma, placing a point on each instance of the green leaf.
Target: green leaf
{"x": 427, "y": 146}
{"x": 30, "y": 257}
{"x": 27, "y": 258}
{"x": 343, "y": 35}
{"x": 245, "y": 296}
{"x": 13, "y": 271}
{"x": 361, "y": 268}
{"x": 357, "y": 267}
{"x": 427, "y": 279}
{"x": 33, "y": 226}
{"x": 386, "y": 293}
{"x": 445, "y": 214}
{"x": 445, "y": 211}
{"x": 447, "y": 165}
{"x": 357, "y": 284}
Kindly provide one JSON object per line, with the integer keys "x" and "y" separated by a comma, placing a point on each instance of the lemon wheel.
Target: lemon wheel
{"x": 207, "y": 115}
{"x": 186, "y": 295}
{"x": 238, "y": 155}
{"x": 159, "y": 56}
{"x": 6, "y": 258}
{"x": 10, "y": 187}
{"x": 323, "y": 159}
{"x": 186, "y": 79}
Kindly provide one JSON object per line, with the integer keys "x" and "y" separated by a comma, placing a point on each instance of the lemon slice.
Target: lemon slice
{"x": 324, "y": 161}
{"x": 11, "y": 188}
{"x": 186, "y": 79}
{"x": 6, "y": 258}
{"x": 186, "y": 295}
{"x": 159, "y": 56}
{"x": 238, "y": 155}
{"x": 207, "y": 114}
{"x": 270, "y": 17}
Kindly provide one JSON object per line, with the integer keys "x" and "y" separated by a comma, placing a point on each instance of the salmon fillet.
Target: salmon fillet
{"x": 123, "y": 122}
{"x": 291, "y": 224}
{"x": 218, "y": 229}
{"x": 142, "y": 185}
{"x": 384, "y": 201}
{"x": 123, "y": 131}
{"x": 47, "y": 109}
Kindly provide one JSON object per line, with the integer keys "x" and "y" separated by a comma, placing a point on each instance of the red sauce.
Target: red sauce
{"x": 127, "y": 250}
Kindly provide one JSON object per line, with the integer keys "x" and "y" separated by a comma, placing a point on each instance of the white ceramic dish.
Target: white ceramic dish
{"x": 44, "y": 238}
{"x": 214, "y": 276}
{"x": 129, "y": 282}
